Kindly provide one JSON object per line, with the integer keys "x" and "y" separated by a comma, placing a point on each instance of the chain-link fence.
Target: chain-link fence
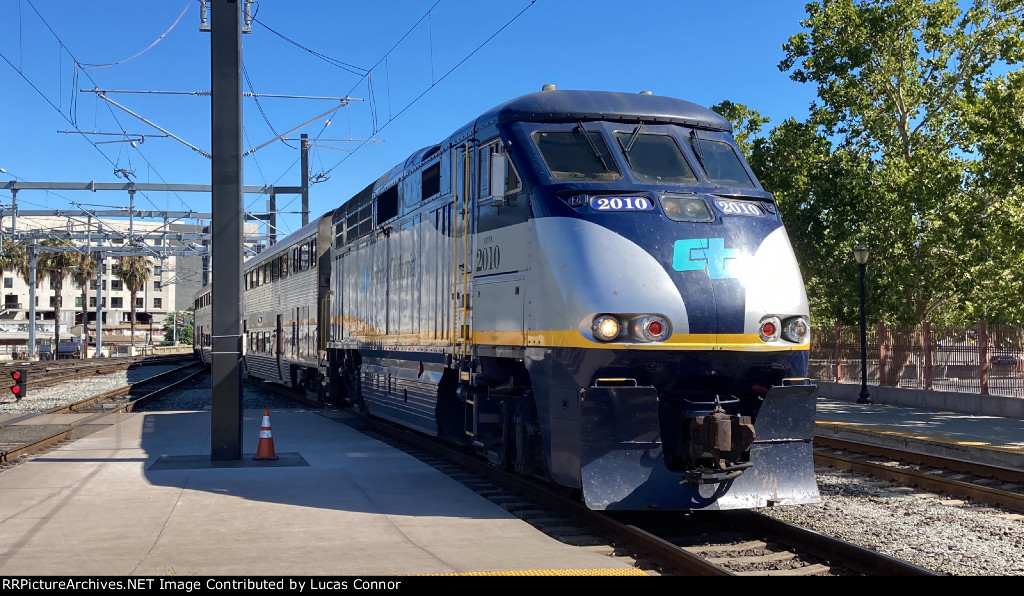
{"x": 985, "y": 359}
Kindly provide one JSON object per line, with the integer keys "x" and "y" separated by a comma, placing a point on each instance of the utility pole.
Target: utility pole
{"x": 226, "y": 228}
{"x": 84, "y": 337}
{"x": 100, "y": 263}
{"x": 304, "y": 153}
{"x": 32, "y": 301}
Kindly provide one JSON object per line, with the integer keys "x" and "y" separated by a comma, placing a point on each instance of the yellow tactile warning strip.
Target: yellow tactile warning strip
{"x": 552, "y": 572}
{"x": 920, "y": 437}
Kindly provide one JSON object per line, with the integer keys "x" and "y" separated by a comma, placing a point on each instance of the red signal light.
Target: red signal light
{"x": 18, "y": 388}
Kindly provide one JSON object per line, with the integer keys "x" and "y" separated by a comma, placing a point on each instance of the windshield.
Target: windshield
{"x": 720, "y": 162}
{"x": 578, "y": 154}
{"x": 655, "y": 158}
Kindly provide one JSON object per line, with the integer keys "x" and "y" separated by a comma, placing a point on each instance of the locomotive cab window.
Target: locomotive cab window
{"x": 655, "y": 158}
{"x": 497, "y": 169}
{"x": 719, "y": 161}
{"x": 577, "y": 154}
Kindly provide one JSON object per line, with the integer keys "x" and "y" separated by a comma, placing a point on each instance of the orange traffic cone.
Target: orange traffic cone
{"x": 265, "y": 449}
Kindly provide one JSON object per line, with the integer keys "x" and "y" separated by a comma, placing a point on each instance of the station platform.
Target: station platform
{"x": 142, "y": 497}
{"x": 926, "y": 422}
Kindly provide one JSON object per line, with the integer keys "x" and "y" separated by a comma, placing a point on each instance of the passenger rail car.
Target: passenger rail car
{"x": 279, "y": 311}
{"x": 588, "y": 287}
{"x": 202, "y": 325}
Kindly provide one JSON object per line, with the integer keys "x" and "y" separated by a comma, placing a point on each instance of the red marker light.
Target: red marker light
{"x": 655, "y": 328}
{"x": 768, "y": 329}
{"x": 18, "y": 388}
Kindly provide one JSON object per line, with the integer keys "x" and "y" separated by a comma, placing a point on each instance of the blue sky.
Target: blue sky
{"x": 433, "y": 65}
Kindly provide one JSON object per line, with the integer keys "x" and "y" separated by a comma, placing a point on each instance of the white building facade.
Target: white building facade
{"x": 179, "y": 259}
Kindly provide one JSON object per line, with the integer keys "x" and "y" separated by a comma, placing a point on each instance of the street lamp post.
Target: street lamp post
{"x": 860, "y": 252}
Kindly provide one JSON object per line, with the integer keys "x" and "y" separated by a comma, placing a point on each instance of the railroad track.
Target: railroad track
{"x": 660, "y": 543}
{"x": 35, "y": 432}
{"x": 39, "y": 375}
{"x": 989, "y": 485}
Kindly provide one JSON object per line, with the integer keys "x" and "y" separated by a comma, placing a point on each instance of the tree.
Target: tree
{"x": 57, "y": 266}
{"x": 746, "y": 123}
{"x": 85, "y": 271}
{"x": 11, "y": 256}
{"x": 901, "y": 155}
{"x": 184, "y": 322}
{"x": 133, "y": 271}
{"x": 14, "y": 258}
{"x": 51, "y": 265}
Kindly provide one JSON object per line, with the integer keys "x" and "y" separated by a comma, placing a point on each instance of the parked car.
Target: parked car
{"x": 1004, "y": 359}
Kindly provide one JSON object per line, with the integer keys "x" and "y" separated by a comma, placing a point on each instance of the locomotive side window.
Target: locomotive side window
{"x": 578, "y": 154}
{"x": 431, "y": 181}
{"x": 655, "y": 158}
{"x": 339, "y": 234}
{"x": 720, "y": 162}
{"x": 387, "y": 205}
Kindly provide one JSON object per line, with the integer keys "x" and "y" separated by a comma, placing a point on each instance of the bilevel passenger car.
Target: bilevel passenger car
{"x": 588, "y": 287}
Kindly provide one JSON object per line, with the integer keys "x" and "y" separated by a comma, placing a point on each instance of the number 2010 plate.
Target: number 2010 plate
{"x": 621, "y": 204}
{"x": 738, "y": 208}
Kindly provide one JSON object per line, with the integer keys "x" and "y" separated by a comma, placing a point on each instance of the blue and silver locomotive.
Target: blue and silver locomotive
{"x": 588, "y": 287}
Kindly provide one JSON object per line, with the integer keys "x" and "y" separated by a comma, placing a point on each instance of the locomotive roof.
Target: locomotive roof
{"x": 556, "y": 105}
{"x": 563, "y": 105}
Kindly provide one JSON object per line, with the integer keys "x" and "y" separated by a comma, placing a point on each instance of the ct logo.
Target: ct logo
{"x": 696, "y": 254}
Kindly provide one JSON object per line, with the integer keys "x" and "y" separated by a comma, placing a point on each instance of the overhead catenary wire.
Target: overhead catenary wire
{"x": 70, "y": 118}
{"x": 429, "y": 87}
{"x": 149, "y": 47}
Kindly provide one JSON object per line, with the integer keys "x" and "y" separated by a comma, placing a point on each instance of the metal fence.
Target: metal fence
{"x": 985, "y": 359}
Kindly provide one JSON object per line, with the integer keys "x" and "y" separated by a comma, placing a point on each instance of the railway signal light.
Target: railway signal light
{"x": 19, "y": 386}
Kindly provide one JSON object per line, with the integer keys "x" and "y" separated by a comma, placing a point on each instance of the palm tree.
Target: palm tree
{"x": 8, "y": 259}
{"x": 57, "y": 265}
{"x": 85, "y": 271}
{"x": 133, "y": 271}
{"x": 14, "y": 258}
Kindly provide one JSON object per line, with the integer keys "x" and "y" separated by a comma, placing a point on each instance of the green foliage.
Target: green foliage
{"x": 185, "y": 320}
{"x": 746, "y": 123}
{"x": 133, "y": 271}
{"x": 56, "y": 265}
{"x": 914, "y": 150}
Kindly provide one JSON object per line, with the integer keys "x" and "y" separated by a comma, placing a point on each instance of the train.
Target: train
{"x": 591, "y": 288}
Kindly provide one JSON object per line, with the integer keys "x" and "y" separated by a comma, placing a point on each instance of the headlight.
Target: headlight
{"x": 769, "y": 328}
{"x": 605, "y": 327}
{"x": 796, "y": 329}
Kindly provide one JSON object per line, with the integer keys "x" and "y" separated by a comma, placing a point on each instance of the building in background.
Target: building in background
{"x": 179, "y": 266}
